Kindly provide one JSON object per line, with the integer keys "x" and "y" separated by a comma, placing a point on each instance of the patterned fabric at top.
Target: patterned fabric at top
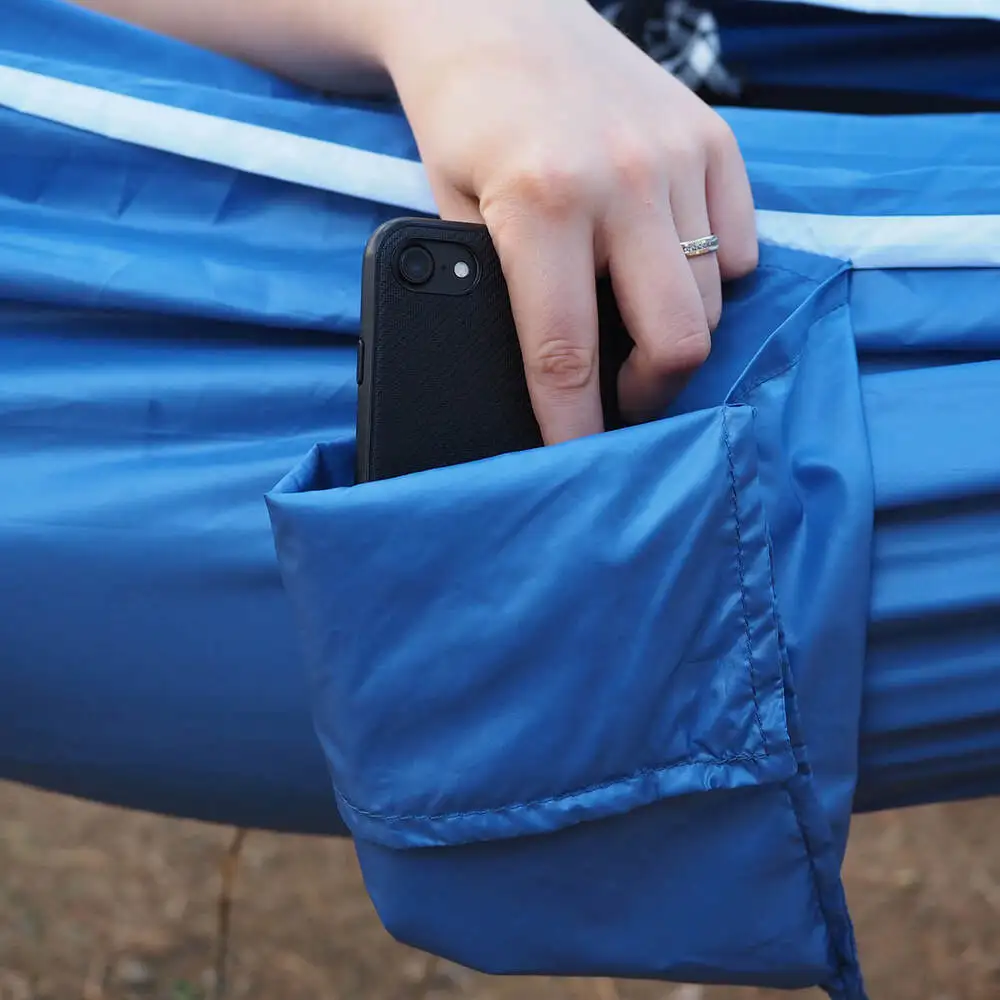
{"x": 823, "y": 56}
{"x": 681, "y": 37}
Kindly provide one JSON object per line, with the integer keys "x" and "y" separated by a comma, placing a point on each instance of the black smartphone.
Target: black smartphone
{"x": 440, "y": 371}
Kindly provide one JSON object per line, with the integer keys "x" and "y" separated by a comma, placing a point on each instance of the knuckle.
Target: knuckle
{"x": 692, "y": 350}
{"x": 718, "y": 138}
{"x": 637, "y": 166}
{"x": 560, "y": 365}
{"x": 686, "y": 157}
{"x": 686, "y": 351}
{"x": 554, "y": 191}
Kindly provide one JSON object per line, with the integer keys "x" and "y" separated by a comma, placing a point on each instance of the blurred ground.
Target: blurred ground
{"x": 99, "y": 904}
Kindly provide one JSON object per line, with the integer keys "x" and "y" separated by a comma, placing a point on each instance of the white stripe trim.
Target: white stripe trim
{"x": 870, "y": 242}
{"x": 251, "y": 149}
{"x": 987, "y": 9}
{"x": 888, "y": 241}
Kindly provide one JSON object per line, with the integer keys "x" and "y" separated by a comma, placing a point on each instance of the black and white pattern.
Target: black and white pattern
{"x": 681, "y": 37}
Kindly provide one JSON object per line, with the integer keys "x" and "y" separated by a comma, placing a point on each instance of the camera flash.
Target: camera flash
{"x": 461, "y": 269}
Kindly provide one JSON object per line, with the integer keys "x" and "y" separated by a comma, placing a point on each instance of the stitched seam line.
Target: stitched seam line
{"x": 741, "y": 573}
{"x": 841, "y": 962}
{"x": 553, "y": 799}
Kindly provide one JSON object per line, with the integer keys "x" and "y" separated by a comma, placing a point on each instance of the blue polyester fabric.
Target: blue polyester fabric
{"x": 805, "y": 45}
{"x": 604, "y": 708}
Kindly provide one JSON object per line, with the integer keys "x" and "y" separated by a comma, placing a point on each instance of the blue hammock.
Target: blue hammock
{"x": 616, "y": 718}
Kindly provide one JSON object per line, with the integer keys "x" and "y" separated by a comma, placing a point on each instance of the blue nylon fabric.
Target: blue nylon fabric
{"x": 176, "y": 337}
{"x": 229, "y": 246}
{"x": 148, "y": 655}
{"x": 932, "y": 705}
{"x": 931, "y": 714}
{"x": 807, "y": 45}
{"x": 849, "y": 165}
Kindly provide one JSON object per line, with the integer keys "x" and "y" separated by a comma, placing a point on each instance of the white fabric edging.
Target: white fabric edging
{"x": 986, "y": 9}
{"x": 888, "y": 241}
{"x": 868, "y": 241}
{"x": 251, "y": 149}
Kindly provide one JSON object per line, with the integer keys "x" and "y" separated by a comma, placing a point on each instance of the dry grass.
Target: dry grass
{"x": 99, "y": 904}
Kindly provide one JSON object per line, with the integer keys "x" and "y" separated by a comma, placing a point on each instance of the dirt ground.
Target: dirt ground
{"x": 100, "y": 904}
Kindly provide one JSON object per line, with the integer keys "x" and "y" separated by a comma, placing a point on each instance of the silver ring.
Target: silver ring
{"x": 700, "y": 247}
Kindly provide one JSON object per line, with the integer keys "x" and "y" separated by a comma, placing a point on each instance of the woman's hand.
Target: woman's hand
{"x": 581, "y": 155}
{"x": 579, "y": 152}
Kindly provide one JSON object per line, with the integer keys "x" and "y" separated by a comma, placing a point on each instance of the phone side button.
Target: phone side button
{"x": 361, "y": 361}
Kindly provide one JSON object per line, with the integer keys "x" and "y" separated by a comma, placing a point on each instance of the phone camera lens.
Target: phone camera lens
{"x": 416, "y": 265}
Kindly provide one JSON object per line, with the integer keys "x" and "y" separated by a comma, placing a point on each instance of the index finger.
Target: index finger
{"x": 549, "y": 269}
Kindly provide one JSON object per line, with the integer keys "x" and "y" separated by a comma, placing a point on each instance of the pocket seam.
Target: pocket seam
{"x": 646, "y": 772}
{"x": 741, "y": 574}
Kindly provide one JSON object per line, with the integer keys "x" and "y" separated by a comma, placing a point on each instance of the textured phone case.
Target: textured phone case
{"x": 443, "y": 378}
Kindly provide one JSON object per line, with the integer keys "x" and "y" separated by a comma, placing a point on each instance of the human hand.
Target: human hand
{"x": 582, "y": 156}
